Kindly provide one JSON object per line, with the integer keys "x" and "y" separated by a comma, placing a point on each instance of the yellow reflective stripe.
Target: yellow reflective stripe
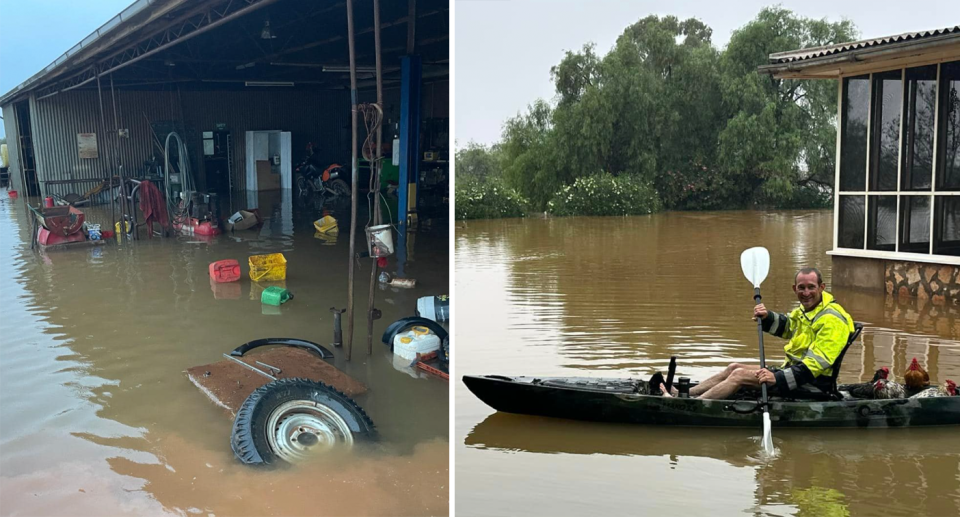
{"x": 824, "y": 364}
{"x": 824, "y": 312}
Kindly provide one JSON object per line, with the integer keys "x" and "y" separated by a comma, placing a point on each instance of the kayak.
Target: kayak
{"x": 624, "y": 401}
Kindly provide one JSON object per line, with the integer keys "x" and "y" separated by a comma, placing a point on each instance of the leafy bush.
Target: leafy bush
{"x": 491, "y": 199}
{"x": 606, "y": 194}
{"x": 698, "y": 187}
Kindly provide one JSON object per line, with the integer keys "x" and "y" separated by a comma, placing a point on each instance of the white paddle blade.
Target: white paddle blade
{"x": 767, "y": 435}
{"x": 755, "y": 263}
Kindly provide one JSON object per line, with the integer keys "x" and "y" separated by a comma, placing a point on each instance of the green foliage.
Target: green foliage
{"x": 606, "y": 194}
{"x": 697, "y": 125}
{"x": 478, "y": 161}
{"x": 487, "y": 199}
{"x": 530, "y": 156}
{"x": 781, "y": 134}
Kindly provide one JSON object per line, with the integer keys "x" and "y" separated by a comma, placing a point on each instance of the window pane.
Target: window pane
{"x": 947, "y": 226}
{"x": 948, "y": 150}
{"x": 853, "y": 137}
{"x": 915, "y": 224}
{"x": 883, "y": 223}
{"x": 918, "y": 128}
{"x": 851, "y": 222}
{"x": 885, "y": 131}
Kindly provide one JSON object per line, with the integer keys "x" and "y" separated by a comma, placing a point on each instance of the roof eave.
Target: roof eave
{"x": 836, "y": 65}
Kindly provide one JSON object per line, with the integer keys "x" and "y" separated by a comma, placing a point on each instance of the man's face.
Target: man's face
{"x": 809, "y": 292}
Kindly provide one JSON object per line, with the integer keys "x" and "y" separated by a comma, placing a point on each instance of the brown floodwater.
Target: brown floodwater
{"x": 97, "y": 416}
{"x": 617, "y": 296}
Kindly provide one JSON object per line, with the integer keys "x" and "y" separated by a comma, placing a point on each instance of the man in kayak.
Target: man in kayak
{"x": 818, "y": 330}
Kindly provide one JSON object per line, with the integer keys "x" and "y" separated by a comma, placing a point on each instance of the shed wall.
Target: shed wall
{"x": 321, "y": 117}
{"x": 13, "y": 148}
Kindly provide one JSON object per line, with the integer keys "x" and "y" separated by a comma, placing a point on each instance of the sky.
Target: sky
{"x": 33, "y": 33}
{"x": 505, "y": 48}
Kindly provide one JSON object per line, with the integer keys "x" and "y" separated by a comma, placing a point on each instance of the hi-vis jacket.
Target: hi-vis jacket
{"x": 816, "y": 339}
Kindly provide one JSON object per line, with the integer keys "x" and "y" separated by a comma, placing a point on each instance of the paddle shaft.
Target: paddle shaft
{"x": 763, "y": 362}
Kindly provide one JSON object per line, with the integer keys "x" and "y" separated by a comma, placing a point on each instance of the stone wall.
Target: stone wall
{"x": 937, "y": 283}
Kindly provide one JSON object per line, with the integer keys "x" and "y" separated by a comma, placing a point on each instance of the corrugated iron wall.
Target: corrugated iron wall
{"x": 13, "y": 149}
{"x": 320, "y": 117}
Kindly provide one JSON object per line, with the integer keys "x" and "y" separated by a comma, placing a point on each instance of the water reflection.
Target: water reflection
{"x": 813, "y": 473}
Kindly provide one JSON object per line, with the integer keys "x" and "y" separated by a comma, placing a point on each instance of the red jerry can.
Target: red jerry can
{"x": 225, "y": 270}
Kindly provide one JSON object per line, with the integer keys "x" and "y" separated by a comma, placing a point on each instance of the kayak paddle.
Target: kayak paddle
{"x": 755, "y": 263}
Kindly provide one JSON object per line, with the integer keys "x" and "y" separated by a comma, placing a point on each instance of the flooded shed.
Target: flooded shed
{"x": 247, "y": 85}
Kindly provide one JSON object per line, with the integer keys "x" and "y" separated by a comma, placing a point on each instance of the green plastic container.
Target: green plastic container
{"x": 274, "y": 295}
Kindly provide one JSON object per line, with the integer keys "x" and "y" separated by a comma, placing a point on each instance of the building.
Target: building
{"x": 233, "y": 79}
{"x": 897, "y": 185}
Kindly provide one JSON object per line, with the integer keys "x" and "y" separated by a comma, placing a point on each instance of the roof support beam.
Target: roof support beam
{"x": 194, "y": 25}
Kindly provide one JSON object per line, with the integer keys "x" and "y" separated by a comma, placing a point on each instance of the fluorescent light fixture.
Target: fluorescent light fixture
{"x": 346, "y": 69}
{"x": 268, "y": 83}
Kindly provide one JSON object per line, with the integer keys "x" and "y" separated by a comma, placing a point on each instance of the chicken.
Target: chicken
{"x": 864, "y": 390}
{"x": 916, "y": 378}
{"x": 887, "y": 389}
{"x": 948, "y": 389}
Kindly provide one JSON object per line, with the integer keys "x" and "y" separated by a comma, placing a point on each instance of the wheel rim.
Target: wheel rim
{"x": 339, "y": 189}
{"x": 301, "y": 429}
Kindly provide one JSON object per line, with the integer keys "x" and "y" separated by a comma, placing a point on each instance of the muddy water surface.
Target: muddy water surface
{"x": 98, "y": 418}
{"x": 611, "y": 297}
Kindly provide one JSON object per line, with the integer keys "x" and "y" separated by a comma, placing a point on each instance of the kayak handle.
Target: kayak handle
{"x": 756, "y": 408}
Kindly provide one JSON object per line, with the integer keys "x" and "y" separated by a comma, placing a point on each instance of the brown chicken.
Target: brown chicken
{"x": 916, "y": 378}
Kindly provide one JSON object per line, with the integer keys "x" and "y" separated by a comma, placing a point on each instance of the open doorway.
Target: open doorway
{"x": 28, "y": 162}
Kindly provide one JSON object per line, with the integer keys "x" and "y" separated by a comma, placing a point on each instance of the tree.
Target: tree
{"x": 780, "y": 140}
{"x": 477, "y": 161}
{"x": 530, "y": 155}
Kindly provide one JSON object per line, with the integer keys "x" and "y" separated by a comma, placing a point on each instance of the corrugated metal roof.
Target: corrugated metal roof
{"x": 828, "y": 50}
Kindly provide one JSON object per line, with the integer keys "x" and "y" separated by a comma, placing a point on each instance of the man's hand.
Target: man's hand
{"x": 766, "y": 376}
{"x": 759, "y": 312}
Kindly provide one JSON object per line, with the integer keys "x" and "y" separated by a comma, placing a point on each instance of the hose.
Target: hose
{"x": 177, "y": 209}
{"x": 372, "y": 118}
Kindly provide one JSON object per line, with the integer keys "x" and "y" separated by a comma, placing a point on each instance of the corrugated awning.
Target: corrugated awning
{"x": 832, "y": 61}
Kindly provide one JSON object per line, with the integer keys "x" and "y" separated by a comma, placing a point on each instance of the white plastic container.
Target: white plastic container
{"x": 417, "y": 340}
{"x": 436, "y": 308}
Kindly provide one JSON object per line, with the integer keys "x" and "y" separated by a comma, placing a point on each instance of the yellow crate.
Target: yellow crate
{"x": 269, "y": 268}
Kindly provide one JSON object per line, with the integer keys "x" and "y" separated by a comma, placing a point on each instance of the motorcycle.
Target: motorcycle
{"x": 329, "y": 181}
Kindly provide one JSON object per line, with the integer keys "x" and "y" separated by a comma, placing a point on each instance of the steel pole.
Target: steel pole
{"x": 355, "y": 175}
{"x": 375, "y": 174}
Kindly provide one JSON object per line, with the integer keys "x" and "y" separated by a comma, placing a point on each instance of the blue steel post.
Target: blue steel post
{"x": 410, "y": 70}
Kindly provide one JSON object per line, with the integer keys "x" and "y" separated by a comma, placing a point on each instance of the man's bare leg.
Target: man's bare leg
{"x": 712, "y": 381}
{"x": 726, "y": 388}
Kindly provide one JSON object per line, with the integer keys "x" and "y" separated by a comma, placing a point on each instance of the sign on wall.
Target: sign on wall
{"x": 87, "y": 143}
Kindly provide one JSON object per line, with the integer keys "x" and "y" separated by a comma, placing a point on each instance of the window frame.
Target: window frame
{"x": 871, "y": 196}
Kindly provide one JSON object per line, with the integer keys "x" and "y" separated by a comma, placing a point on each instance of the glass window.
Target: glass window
{"x": 947, "y": 226}
{"x": 948, "y": 150}
{"x": 882, "y": 229}
{"x": 885, "y": 130}
{"x": 853, "y": 136}
{"x": 851, "y": 222}
{"x": 920, "y": 95}
{"x": 915, "y": 224}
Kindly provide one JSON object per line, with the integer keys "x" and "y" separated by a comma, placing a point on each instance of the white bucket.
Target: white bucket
{"x": 380, "y": 240}
{"x": 417, "y": 340}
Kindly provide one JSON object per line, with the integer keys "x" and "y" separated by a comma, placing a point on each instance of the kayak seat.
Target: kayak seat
{"x": 826, "y": 389}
